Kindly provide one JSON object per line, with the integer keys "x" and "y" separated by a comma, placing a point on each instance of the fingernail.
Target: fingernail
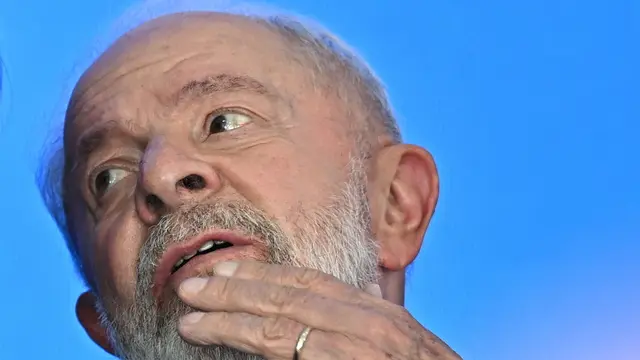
{"x": 374, "y": 289}
{"x": 193, "y": 285}
{"x": 192, "y": 318}
{"x": 227, "y": 268}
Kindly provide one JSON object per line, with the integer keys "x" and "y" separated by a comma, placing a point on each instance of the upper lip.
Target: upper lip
{"x": 177, "y": 251}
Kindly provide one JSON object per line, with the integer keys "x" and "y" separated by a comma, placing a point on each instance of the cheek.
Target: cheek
{"x": 119, "y": 238}
{"x": 281, "y": 181}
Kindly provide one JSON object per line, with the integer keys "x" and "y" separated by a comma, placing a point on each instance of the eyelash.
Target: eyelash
{"x": 212, "y": 115}
{"x": 93, "y": 175}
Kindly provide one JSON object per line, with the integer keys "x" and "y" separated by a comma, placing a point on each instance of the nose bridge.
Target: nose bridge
{"x": 158, "y": 163}
{"x": 174, "y": 174}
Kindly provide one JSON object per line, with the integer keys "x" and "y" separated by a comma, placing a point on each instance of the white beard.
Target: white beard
{"x": 336, "y": 240}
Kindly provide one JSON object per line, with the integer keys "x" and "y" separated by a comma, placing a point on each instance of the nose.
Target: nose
{"x": 170, "y": 178}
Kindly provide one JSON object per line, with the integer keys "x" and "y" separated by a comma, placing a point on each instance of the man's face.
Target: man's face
{"x": 187, "y": 132}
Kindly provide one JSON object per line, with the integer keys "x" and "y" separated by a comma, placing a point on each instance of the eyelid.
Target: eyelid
{"x": 92, "y": 175}
{"x": 226, "y": 109}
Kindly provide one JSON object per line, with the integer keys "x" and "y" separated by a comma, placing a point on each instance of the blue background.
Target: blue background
{"x": 531, "y": 109}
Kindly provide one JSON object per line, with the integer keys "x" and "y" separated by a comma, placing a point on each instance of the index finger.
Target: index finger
{"x": 302, "y": 278}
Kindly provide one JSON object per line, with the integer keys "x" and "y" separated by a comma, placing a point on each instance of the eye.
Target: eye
{"x": 226, "y": 121}
{"x": 106, "y": 179}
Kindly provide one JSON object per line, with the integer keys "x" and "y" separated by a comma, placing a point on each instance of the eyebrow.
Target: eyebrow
{"x": 221, "y": 83}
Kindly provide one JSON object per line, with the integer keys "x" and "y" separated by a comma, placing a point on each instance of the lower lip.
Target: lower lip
{"x": 202, "y": 265}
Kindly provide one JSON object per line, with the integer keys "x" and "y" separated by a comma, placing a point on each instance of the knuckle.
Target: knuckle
{"x": 276, "y": 334}
{"x": 275, "y": 328}
{"x": 308, "y": 277}
{"x": 283, "y": 298}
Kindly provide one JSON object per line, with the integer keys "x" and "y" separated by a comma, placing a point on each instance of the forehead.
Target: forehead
{"x": 165, "y": 54}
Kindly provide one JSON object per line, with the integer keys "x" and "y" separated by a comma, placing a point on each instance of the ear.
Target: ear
{"x": 90, "y": 320}
{"x": 403, "y": 196}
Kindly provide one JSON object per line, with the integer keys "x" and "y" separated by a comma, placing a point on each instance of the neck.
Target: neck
{"x": 392, "y": 286}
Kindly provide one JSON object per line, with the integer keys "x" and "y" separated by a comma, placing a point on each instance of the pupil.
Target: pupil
{"x": 218, "y": 124}
{"x": 102, "y": 181}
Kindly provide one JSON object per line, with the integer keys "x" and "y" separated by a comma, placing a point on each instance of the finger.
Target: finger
{"x": 272, "y": 338}
{"x": 205, "y": 329}
{"x": 374, "y": 289}
{"x": 264, "y": 299}
{"x": 303, "y": 278}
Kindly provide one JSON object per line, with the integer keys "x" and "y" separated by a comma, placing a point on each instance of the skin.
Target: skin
{"x": 293, "y": 153}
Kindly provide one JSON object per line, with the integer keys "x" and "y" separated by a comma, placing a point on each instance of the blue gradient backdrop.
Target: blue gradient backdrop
{"x": 531, "y": 108}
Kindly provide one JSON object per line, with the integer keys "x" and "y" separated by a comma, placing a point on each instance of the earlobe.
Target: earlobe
{"x": 406, "y": 193}
{"x": 90, "y": 319}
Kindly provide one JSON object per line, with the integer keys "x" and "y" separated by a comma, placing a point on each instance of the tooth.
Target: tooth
{"x": 219, "y": 242}
{"x": 208, "y": 245}
{"x": 179, "y": 263}
{"x": 188, "y": 257}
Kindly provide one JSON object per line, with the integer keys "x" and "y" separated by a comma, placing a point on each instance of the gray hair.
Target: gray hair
{"x": 328, "y": 58}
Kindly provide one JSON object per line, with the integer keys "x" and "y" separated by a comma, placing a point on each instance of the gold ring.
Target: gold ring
{"x": 302, "y": 338}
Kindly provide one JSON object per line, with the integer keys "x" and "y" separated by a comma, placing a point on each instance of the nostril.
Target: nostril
{"x": 154, "y": 203}
{"x": 192, "y": 182}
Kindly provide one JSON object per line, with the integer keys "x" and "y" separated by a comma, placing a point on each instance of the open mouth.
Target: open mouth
{"x": 192, "y": 256}
{"x": 206, "y": 248}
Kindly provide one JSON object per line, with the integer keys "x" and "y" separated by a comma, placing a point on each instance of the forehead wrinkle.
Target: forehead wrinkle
{"x": 128, "y": 48}
{"x": 101, "y": 90}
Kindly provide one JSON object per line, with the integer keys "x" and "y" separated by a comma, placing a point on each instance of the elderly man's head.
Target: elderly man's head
{"x": 201, "y": 137}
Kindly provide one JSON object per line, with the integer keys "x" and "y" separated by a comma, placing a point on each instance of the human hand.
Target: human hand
{"x": 263, "y": 308}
